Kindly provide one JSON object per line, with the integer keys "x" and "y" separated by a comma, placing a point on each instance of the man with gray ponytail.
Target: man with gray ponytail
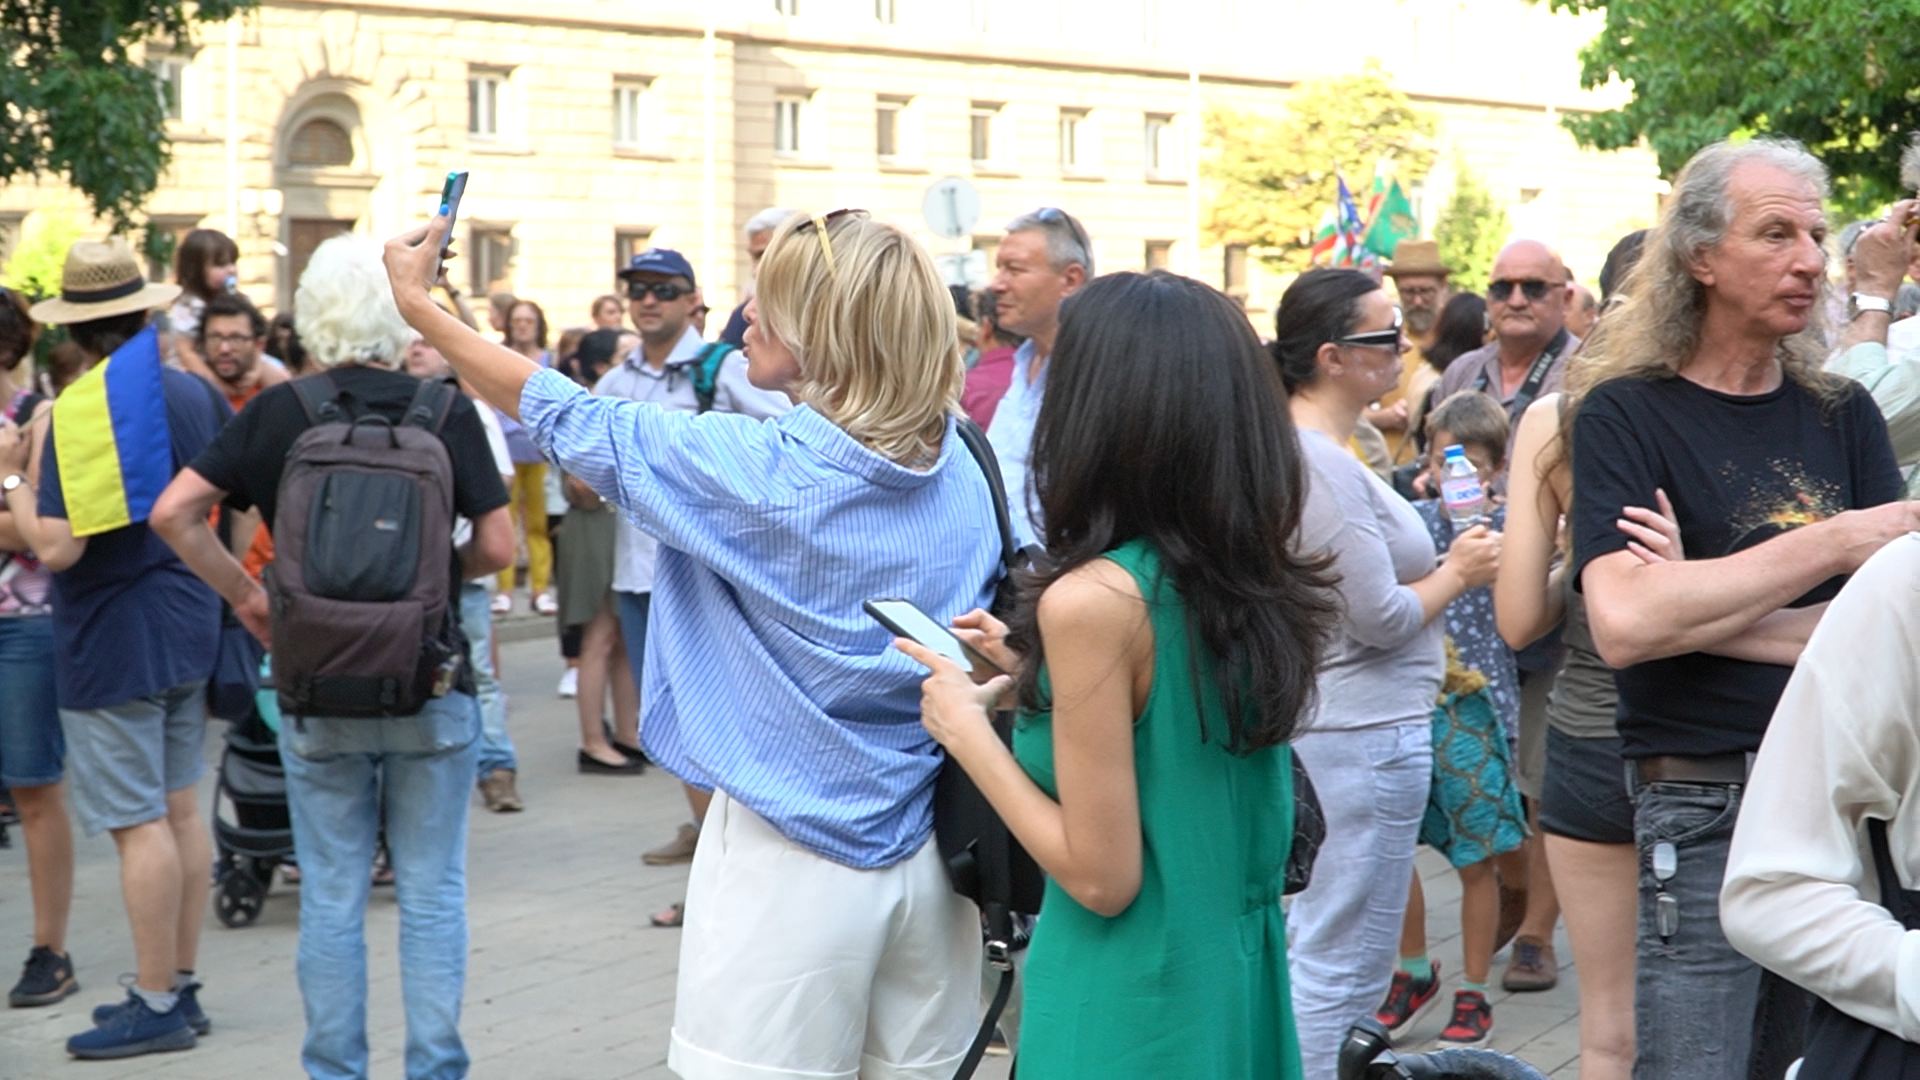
{"x": 1704, "y": 395}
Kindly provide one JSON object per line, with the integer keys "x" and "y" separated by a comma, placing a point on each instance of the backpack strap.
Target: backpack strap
{"x": 431, "y": 405}
{"x": 706, "y": 372}
{"x": 319, "y": 398}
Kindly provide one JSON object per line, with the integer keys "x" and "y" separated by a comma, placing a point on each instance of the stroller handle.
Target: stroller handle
{"x": 1367, "y": 1054}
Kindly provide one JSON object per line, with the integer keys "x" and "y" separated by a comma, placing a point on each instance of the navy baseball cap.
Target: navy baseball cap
{"x": 659, "y": 261}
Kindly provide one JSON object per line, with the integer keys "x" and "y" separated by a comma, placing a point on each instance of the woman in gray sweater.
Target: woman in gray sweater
{"x": 1368, "y": 744}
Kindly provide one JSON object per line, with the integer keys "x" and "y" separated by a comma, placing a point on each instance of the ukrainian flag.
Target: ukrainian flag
{"x": 110, "y": 432}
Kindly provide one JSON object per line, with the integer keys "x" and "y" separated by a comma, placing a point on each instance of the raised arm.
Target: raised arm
{"x": 495, "y": 372}
{"x": 1528, "y": 600}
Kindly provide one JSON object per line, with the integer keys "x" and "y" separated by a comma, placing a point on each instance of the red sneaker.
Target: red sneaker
{"x": 1406, "y": 999}
{"x": 1472, "y": 1020}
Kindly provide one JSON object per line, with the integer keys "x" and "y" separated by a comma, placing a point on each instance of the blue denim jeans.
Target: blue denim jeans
{"x": 342, "y": 776}
{"x": 476, "y": 622}
{"x": 33, "y": 752}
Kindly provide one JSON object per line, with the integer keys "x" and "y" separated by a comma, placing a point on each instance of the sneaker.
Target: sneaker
{"x": 1533, "y": 966}
{"x": 497, "y": 789}
{"x": 46, "y": 979}
{"x": 570, "y": 683}
{"x": 544, "y": 604}
{"x": 677, "y": 850}
{"x": 1472, "y": 1020}
{"x": 1407, "y": 999}
{"x": 131, "y": 1029}
{"x": 502, "y": 603}
{"x": 189, "y": 1006}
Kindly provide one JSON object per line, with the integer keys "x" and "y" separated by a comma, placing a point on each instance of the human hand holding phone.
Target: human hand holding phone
{"x": 450, "y": 195}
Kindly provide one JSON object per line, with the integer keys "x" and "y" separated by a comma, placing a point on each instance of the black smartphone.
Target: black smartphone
{"x": 450, "y": 195}
{"x": 908, "y": 621}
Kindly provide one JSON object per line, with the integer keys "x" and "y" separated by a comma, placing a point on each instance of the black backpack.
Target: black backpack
{"x": 984, "y": 861}
{"x": 362, "y": 571}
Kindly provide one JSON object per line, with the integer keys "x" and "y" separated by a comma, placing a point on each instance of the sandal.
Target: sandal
{"x": 673, "y": 916}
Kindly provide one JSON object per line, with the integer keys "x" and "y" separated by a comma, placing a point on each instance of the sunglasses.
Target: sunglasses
{"x": 819, "y": 223}
{"x": 1056, "y": 217}
{"x": 1389, "y": 338}
{"x": 1499, "y": 291}
{"x": 663, "y": 291}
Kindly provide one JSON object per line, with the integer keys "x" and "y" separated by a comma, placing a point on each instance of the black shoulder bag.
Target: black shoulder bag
{"x": 984, "y": 862}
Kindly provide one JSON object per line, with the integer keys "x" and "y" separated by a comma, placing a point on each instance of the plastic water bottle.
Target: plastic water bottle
{"x": 1460, "y": 490}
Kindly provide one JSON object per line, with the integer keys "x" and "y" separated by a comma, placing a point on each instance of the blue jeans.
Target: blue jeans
{"x": 341, "y": 776}
{"x": 33, "y": 752}
{"x": 634, "y": 610}
{"x": 476, "y": 622}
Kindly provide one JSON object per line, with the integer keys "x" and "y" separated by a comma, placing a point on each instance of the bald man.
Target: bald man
{"x": 1527, "y": 299}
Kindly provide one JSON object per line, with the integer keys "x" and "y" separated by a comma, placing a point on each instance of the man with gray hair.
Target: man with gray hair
{"x": 759, "y": 233}
{"x": 1045, "y": 257}
{"x": 1707, "y": 400}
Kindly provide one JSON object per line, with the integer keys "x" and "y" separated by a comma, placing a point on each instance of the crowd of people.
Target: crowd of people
{"x": 1656, "y": 678}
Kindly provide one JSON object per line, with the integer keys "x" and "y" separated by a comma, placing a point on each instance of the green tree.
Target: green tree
{"x": 1271, "y": 177}
{"x": 1839, "y": 77}
{"x": 78, "y": 106}
{"x": 1470, "y": 230}
{"x": 34, "y": 268}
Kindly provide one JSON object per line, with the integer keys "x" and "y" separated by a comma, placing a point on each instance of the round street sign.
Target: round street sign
{"x": 952, "y": 207}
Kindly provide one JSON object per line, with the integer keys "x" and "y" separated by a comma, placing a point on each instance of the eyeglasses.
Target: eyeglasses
{"x": 1389, "y": 338}
{"x": 663, "y": 291}
{"x": 819, "y": 222}
{"x": 1499, "y": 291}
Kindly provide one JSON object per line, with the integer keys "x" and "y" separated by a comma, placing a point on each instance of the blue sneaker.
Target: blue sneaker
{"x": 131, "y": 1029}
{"x": 189, "y": 1006}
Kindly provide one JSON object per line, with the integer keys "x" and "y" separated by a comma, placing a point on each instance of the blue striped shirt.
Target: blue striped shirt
{"x": 764, "y": 676}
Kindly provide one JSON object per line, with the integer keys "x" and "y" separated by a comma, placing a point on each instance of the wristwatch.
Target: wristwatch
{"x": 12, "y": 481}
{"x": 1865, "y": 302}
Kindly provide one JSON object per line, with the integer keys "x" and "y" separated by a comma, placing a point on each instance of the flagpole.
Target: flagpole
{"x": 1191, "y": 264}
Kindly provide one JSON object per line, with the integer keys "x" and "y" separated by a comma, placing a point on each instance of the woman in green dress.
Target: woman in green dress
{"x": 1163, "y": 656}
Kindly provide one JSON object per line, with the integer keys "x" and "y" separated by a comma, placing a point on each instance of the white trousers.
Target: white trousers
{"x": 793, "y": 966}
{"x": 1344, "y": 930}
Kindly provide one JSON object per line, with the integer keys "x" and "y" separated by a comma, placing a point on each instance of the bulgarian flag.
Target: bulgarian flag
{"x": 110, "y": 432}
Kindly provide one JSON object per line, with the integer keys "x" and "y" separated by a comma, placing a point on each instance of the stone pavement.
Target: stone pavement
{"x": 566, "y": 980}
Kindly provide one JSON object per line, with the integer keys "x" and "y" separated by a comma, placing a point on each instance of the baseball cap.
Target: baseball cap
{"x": 659, "y": 261}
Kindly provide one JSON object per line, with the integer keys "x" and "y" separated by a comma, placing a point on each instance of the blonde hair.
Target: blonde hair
{"x": 871, "y": 326}
{"x": 1657, "y": 334}
{"x": 344, "y": 310}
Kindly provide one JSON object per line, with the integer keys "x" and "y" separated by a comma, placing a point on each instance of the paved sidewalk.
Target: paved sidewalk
{"x": 566, "y": 980}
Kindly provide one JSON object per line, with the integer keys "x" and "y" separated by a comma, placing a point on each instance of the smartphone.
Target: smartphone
{"x": 907, "y": 621}
{"x": 450, "y": 196}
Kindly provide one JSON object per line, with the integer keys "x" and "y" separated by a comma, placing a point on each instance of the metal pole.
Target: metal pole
{"x": 709, "y": 165}
{"x": 1191, "y": 264}
{"x": 233, "y": 125}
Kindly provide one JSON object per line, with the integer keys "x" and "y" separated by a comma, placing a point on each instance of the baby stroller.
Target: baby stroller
{"x": 1368, "y": 1054}
{"x": 258, "y": 834}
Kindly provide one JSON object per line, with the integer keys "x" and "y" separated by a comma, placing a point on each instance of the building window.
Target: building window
{"x": 1233, "y": 272}
{"x": 175, "y": 228}
{"x": 886, "y": 129}
{"x": 169, "y": 76}
{"x": 786, "y": 7}
{"x": 1158, "y": 138}
{"x": 788, "y": 110}
{"x": 319, "y": 144}
{"x": 1159, "y": 255}
{"x": 629, "y": 241}
{"x": 630, "y": 107}
{"x": 980, "y": 133}
{"x": 486, "y": 100}
{"x": 490, "y": 249}
{"x": 1076, "y": 142}
{"x": 886, "y": 11}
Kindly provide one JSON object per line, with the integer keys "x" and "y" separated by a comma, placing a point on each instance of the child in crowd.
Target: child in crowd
{"x": 1474, "y": 811}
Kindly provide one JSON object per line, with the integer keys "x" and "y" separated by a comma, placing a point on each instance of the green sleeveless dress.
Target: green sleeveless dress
{"x": 1191, "y": 980}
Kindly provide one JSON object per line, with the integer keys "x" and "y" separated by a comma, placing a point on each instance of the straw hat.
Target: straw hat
{"x": 1417, "y": 257}
{"x": 101, "y": 278}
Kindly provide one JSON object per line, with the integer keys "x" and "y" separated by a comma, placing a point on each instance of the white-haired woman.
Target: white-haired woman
{"x": 822, "y": 937}
{"x": 346, "y": 777}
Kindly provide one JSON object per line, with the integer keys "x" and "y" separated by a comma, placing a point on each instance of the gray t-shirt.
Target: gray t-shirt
{"x": 1386, "y": 661}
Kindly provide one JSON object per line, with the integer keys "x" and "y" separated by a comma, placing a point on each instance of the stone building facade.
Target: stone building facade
{"x": 592, "y": 129}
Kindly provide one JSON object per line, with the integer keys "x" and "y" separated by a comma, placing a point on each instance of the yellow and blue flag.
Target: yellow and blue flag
{"x": 110, "y": 432}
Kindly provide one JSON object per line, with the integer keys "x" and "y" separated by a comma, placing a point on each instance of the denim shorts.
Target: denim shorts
{"x": 128, "y": 757}
{"x": 32, "y": 751}
{"x": 1584, "y": 796}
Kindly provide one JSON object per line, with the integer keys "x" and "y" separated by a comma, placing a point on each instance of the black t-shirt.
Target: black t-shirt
{"x": 250, "y": 453}
{"x": 1740, "y": 470}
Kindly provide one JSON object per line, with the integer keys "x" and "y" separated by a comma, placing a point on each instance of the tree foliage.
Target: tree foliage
{"x": 1470, "y": 230}
{"x": 1839, "y": 77}
{"x": 34, "y": 268}
{"x": 76, "y": 102}
{"x": 1271, "y": 177}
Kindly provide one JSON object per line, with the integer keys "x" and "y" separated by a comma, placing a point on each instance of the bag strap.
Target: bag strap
{"x": 706, "y": 373}
{"x": 431, "y": 405}
{"x": 983, "y": 456}
{"x": 1536, "y": 374}
{"x": 319, "y": 399}
{"x": 985, "y": 1035}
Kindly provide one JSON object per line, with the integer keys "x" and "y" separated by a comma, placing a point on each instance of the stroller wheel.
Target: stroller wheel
{"x": 239, "y": 901}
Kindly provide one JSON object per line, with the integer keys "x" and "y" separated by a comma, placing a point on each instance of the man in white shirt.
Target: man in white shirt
{"x": 674, "y": 368}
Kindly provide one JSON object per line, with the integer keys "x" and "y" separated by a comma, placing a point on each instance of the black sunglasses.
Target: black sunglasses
{"x": 1499, "y": 291}
{"x": 1053, "y": 215}
{"x": 1389, "y": 338}
{"x": 663, "y": 291}
{"x": 819, "y": 223}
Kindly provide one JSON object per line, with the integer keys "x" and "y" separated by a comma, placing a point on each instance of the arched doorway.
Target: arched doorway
{"x": 325, "y": 170}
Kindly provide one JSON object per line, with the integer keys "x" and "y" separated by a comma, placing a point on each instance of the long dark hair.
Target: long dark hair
{"x": 1319, "y": 306}
{"x": 1164, "y": 419}
{"x": 198, "y": 250}
{"x": 1461, "y": 328}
